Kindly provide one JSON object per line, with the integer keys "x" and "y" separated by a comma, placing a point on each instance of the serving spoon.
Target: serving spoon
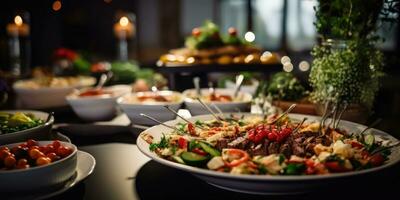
{"x": 239, "y": 81}
{"x": 103, "y": 79}
{"x": 196, "y": 82}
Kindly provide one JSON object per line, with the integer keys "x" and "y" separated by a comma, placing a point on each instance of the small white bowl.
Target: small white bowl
{"x": 133, "y": 108}
{"x": 195, "y": 108}
{"x": 37, "y": 132}
{"x": 46, "y": 97}
{"x": 99, "y": 107}
{"x": 39, "y": 177}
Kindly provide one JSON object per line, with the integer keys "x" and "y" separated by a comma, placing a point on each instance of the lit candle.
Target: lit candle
{"x": 18, "y": 28}
{"x": 124, "y": 28}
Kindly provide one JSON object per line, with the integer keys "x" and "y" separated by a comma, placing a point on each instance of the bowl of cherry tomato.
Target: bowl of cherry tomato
{"x": 34, "y": 165}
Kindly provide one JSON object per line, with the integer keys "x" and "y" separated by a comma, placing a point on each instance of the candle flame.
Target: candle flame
{"x": 18, "y": 20}
{"x": 124, "y": 21}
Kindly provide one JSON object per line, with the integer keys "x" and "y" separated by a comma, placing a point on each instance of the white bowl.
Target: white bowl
{"x": 46, "y": 97}
{"x": 100, "y": 107}
{"x": 39, "y": 177}
{"x": 264, "y": 184}
{"x": 244, "y": 88}
{"x": 154, "y": 109}
{"x": 196, "y": 108}
{"x": 37, "y": 133}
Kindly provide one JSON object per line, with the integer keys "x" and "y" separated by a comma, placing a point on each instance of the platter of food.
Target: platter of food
{"x": 207, "y": 46}
{"x": 19, "y": 125}
{"x": 269, "y": 155}
{"x": 22, "y": 164}
{"x": 94, "y": 104}
{"x": 48, "y": 91}
{"x": 151, "y": 103}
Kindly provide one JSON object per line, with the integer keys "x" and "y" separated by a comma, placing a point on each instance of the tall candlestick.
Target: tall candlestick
{"x": 17, "y": 30}
{"x": 123, "y": 30}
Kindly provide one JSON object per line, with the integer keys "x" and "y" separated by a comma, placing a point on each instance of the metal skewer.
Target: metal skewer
{"x": 378, "y": 150}
{"x": 173, "y": 111}
{"x": 155, "y": 120}
{"x": 340, "y": 115}
{"x": 284, "y": 113}
{"x": 221, "y": 114}
{"x": 299, "y": 125}
{"x": 371, "y": 126}
{"x": 209, "y": 109}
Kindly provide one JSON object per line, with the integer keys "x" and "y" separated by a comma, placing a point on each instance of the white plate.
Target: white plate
{"x": 85, "y": 167}
{"x": 263, "y": 184}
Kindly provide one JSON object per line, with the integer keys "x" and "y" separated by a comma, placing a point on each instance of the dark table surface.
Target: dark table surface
{"x": 122, "y": 172}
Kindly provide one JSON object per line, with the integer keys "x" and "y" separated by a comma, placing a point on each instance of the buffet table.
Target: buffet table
{"x": 123, "y": 172}
{"x": 175, "y": 72}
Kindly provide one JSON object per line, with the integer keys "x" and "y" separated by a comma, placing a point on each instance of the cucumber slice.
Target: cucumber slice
{"x": 207, "y": 148}
{"x": 178, "y": 159}
{"x": 369, "y": 139}
{"x": 194, "y": 159}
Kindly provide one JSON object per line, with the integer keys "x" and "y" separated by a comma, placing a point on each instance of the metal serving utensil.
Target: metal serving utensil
{"x": 284, "y": 113}
{"x": 196, "y": 83}
{"x": 238, "y": 84}
{"x": 173, "y": 111}
{"x": 376, "y": 122}
{"x": 161, "y": 123}
{"x": 209, "y": 110}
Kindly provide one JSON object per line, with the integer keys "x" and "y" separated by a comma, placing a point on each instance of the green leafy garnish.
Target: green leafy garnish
{"x": 294, "y": 169}
{"x": 164, "y": 142}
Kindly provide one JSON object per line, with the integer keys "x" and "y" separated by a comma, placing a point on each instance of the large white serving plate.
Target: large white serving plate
{"x": 265, "y": 184}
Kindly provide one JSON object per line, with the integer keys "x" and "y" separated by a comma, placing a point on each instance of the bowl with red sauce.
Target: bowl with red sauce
{"x": 150, "y": 103}
{"x": 92, "y": 104}
{"x": 221, "y": 98}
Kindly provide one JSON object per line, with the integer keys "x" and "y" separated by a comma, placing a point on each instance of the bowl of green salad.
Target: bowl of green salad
{"x": 20, "y": 125}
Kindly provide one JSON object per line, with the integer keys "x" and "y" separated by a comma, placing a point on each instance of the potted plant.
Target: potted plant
{"x": 284, "y": 89}
{"x": 347, "y": 66}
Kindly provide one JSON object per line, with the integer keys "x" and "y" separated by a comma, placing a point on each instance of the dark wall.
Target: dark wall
{"x": 81, "y": 25}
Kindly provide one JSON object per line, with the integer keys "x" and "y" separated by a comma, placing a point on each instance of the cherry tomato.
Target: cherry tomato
{"x": 10, "y": 161}
{"x": 49, "y": 149}
{"x": 35, "y": 153}
{"x": 19, "y": 151}
{"x": 182, "y": 143}
{"x": 31, "y": 142}
{"x": 22, "y": 162}
{"x": 34, "y": 147}
{"x": 53, "y": 156}
{"x": 43, "y": 161}
{"x": 335, "y": 166}
{"x": 23, "y": 145}
{"x": 191, "y": 129}
{"x": 56, "y": 144}
{"x": 63, "y": 151}
{"x": 4, "y": 154}
{"x": 377, "y": 160}
{"x": 4, "y": 148}
{"x": 356, "y": 145}
{"x": 272, "y": 136}
{"x": 310, "y": 170}
{"x": 199, "y": 151}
